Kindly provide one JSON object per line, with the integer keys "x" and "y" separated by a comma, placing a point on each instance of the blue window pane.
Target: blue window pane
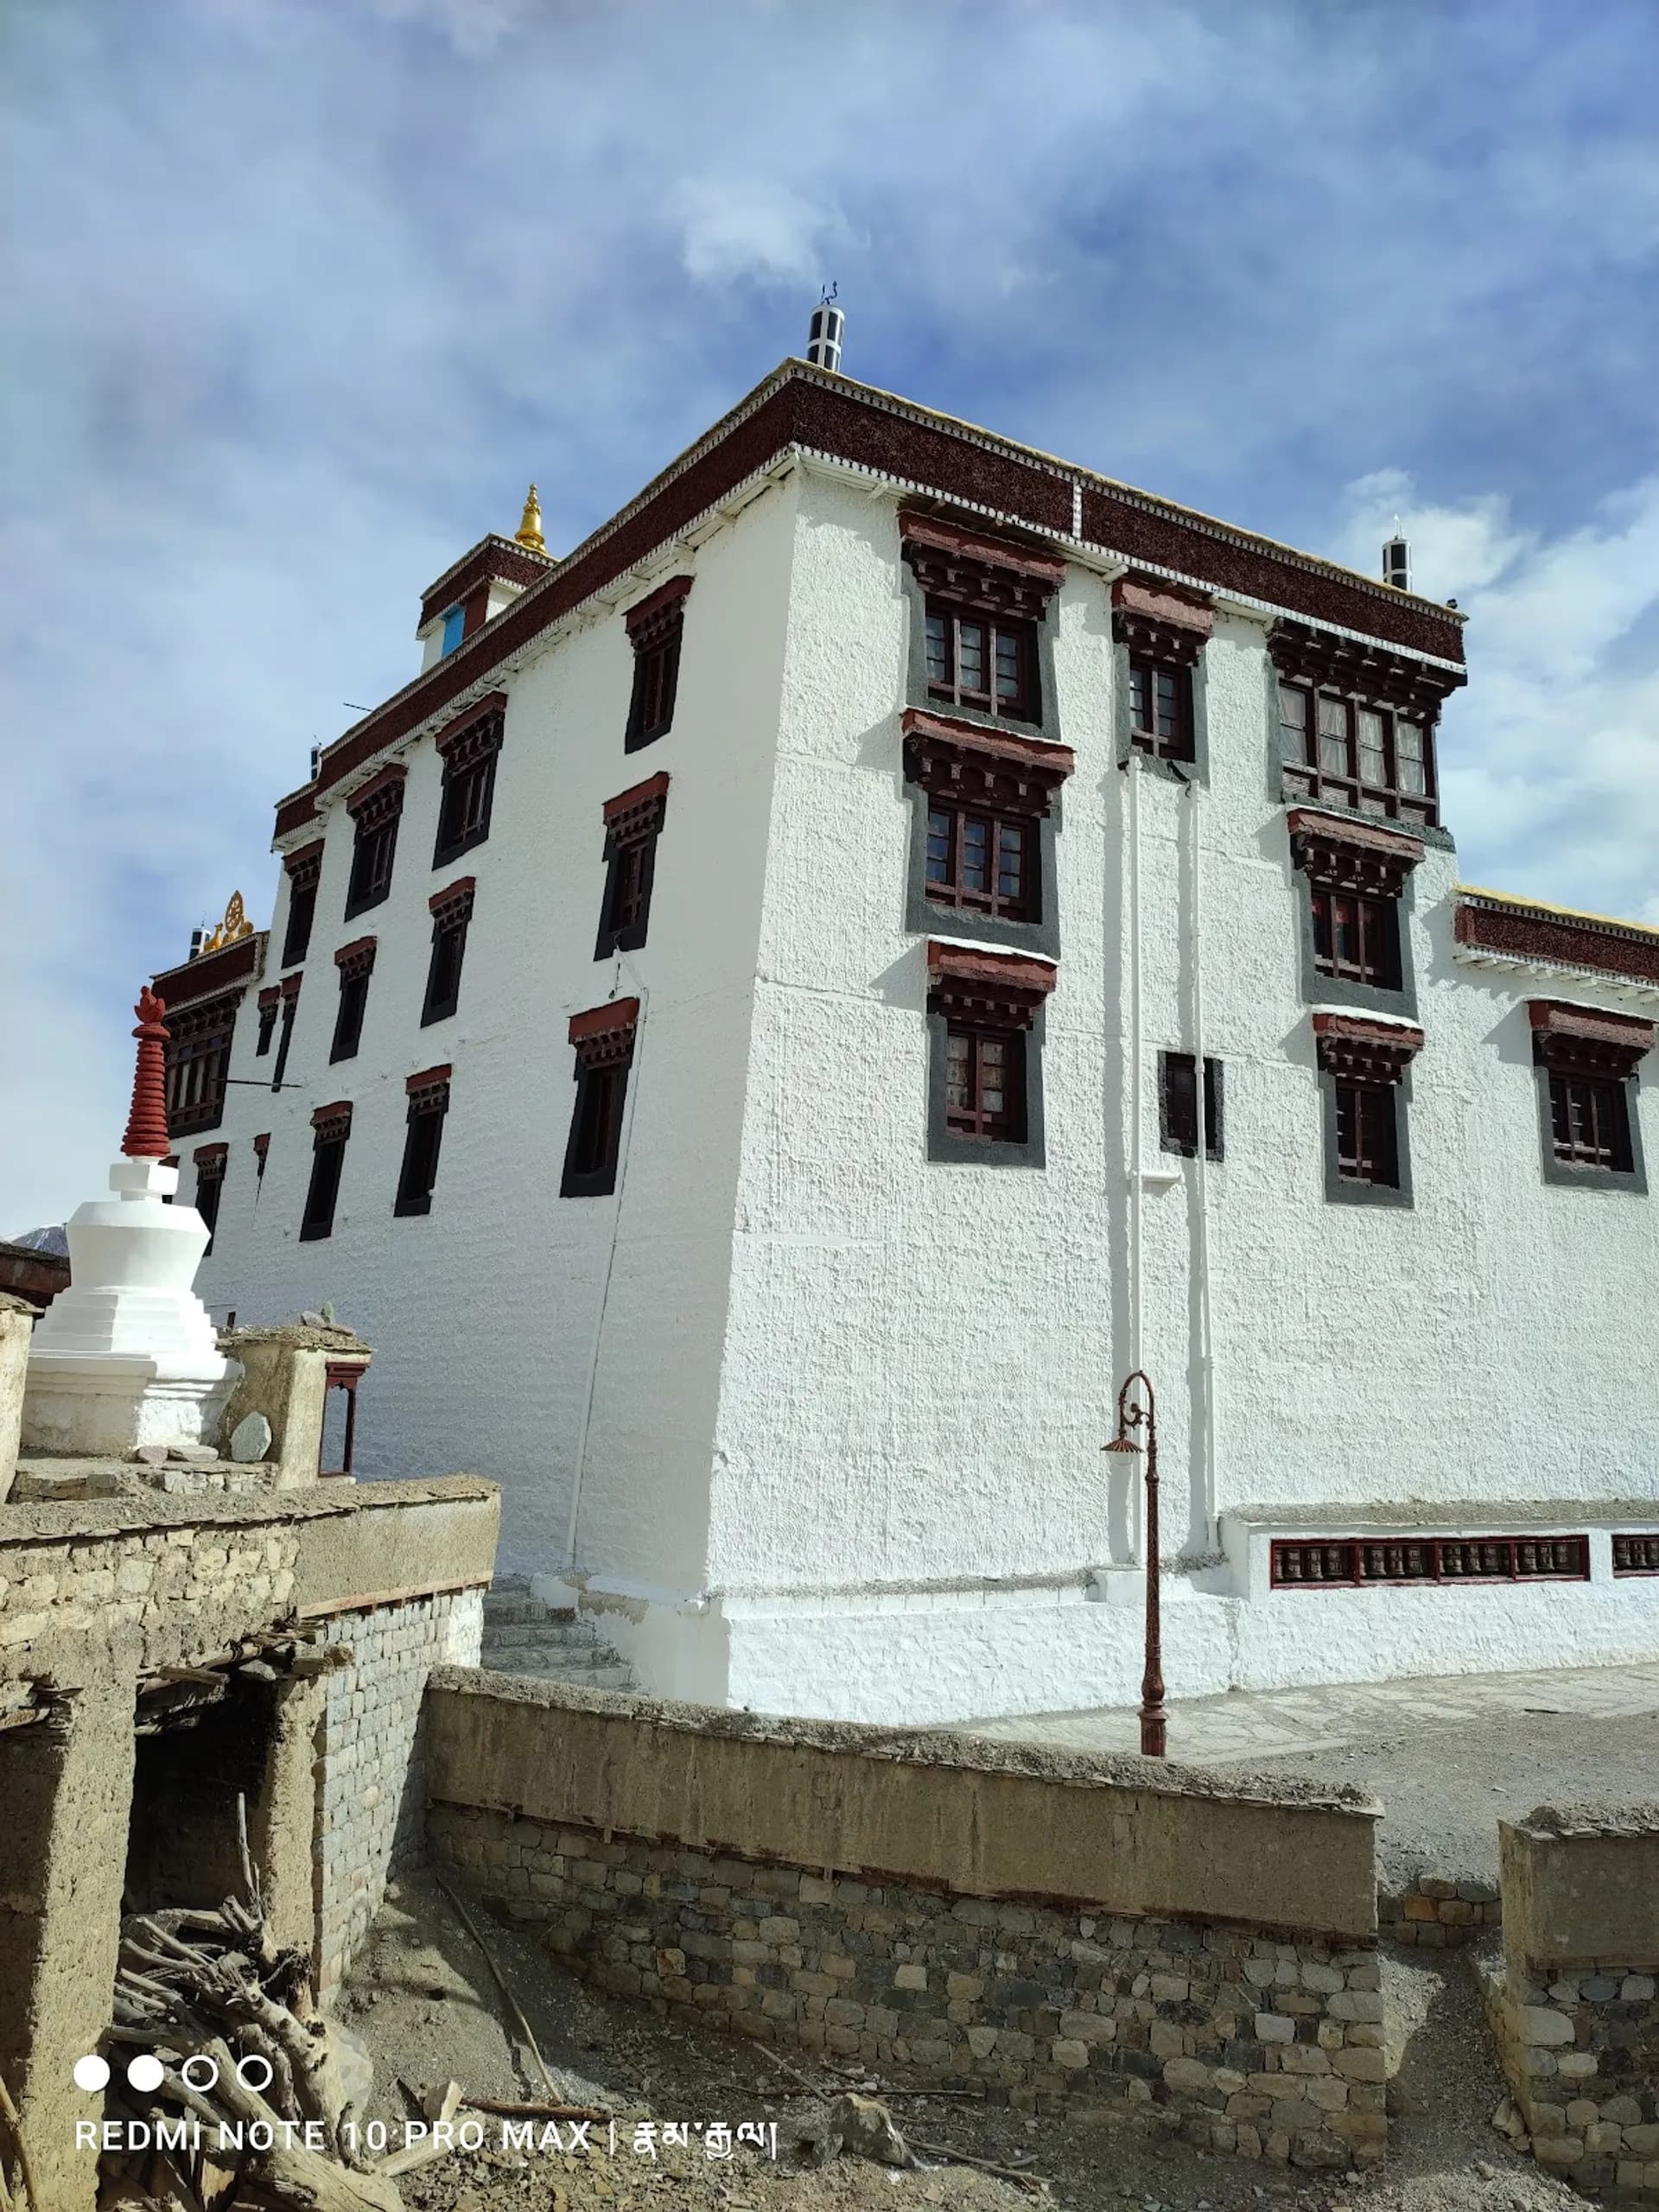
{"x": 454, "y": 622}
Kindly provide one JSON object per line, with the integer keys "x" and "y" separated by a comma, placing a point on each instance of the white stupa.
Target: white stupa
{"x": 127, "y": 1355}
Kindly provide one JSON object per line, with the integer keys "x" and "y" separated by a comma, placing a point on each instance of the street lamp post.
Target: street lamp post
{"x": 1154, "y": 1720}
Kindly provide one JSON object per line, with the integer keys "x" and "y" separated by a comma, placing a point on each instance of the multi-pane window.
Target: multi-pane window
{"x": 210, "y": 1185}
{"x": 603, "y": 1039}
{"x": 303, "y": 870}
{"x": 452, "y": 913}
{"x": 984, "y": 1083}
{"x": 1374, "y": 758}
{"x": 986, "y": 862}
{"x": 269, "y": 1006}
{"x": 634, "y": 821}
{"x": 655, "y": 628}
{"x": 990, "y": 665}
{"x": 1587, "y": 1059}
{"x": 376, "y": 811}
{"x": 332, "y": 1128}
{"x": 1355, "y": 939}
{"x": 468, "y": 750}
{"x": 356, "y": 965}
{"x": 1367, "y": 1146}
{"x": 1177, "y": 1102}
{"x": 428, "y": 1103}
{"x": 1160, "y": 710}
{"x": 1364, "y": 1063}
{"x": 985, "y": 1091}
{"x": 199, "y": 1062}
{"x": 1589, "y": 1120}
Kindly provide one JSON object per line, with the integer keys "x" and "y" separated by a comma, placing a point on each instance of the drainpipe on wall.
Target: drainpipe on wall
{"x": 643, "y": 996}
{"x": 1206, "y": 1360}
{"x": 1136, "y": 1162}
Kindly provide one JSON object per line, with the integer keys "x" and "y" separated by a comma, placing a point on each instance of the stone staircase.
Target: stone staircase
{"x": 523, "y": 1636}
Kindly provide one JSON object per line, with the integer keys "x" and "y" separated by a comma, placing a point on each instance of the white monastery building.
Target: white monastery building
{"x": 738, "y": 1009}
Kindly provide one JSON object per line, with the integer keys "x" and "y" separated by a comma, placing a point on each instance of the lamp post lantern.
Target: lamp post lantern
{"x": 1154, "y": 1720}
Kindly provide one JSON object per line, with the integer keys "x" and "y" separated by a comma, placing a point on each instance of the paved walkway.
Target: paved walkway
{"x": 1256, "y": 1725}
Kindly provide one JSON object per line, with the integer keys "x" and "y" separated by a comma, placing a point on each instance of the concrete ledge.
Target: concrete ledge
{"x": 933, "y": 1809}
{"x": 1581, "y": 1885}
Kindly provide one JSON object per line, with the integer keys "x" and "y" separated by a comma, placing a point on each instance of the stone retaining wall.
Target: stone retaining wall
{"x": 371, "y": 1752}
{"x": 1574, "y": 1995}
{"x": 1269, "y": 2047}
{"x": 1145, "y": 1944}
{"x": 1438, "y": 1911}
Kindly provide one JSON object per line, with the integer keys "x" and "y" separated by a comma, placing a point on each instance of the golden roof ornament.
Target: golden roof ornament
{"x": 235, "y": 925}
{"x": 529, "y": 532}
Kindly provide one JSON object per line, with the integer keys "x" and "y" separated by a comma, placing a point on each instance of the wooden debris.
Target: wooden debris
{"x": 524, "y": 2027}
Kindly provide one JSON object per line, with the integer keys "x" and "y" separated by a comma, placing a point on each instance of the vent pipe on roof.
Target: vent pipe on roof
{"x": 823, "y": 337}
{"x": 1396, "y": 560}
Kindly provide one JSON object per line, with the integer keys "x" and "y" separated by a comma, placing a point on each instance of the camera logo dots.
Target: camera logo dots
{"x": 146, "y": 2073}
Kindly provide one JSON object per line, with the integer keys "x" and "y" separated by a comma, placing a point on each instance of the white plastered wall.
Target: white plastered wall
{"x": 484, "y": 1312}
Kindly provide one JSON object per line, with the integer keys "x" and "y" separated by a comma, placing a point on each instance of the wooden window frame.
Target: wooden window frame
{"x": 331, "y": 1132}
{"x": 1178, "y": 1106}
{"x": 969, "y": 772}
{"x": 1337, "y": 858}
{"x": 270, "y": 1005}
{"x": 261, "y": 1155}
{"x": 981, "y": 999}
{"x": 452, "y": 915}
{"x": 376, "y": 811}
{"x": 1587, "y": 1050}
{"x": 304, "y": 871}
{"x": 198, "y": 1062}
{"x": 211, "y": 1162}
{"x": 634, "y": 822}
{"x": 655, "y": 630}
{"x": 289, "y": 989}
{"x": 1353, "y": 677}
{"x": 961, "y": 575}
{"x": 356, "y": 965}
{"x": 417, "y": 1175}
{"x": 1364, "y": 1072}
{"x": 1161, "y": 630}
{"x": 603, "y": 1040}
{"x": 469, "y": 749}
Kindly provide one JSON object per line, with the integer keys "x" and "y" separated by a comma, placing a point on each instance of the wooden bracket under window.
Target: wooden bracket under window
{"x": 357, "y": 958}
{"x": 1586, "y": 1041}
{"x": 988, "y": 574}
{"x": 653, "y": 621}
{"x": 455, "y": 902}
{"x": 603, "y": 1036}
{"x": 378, "y": 800}
{"x": 967, "y": 985}
{"x": 965, "y": 762}
{"x": 209, "y": 1160}
{"x": 1365, "y": 1052}
{"x": 289, "y": 985}
{"x": 1301, "y": 654}
{"x": 1341, "y": 855}
{"x": 429, "y": 1091}
{"x": 333, "y": 1123}
{"x": 636, "y": 812}
{"x": 470, "y": 736}
{"x": 305, "y": 866}
{"x": 1161, "y": 621}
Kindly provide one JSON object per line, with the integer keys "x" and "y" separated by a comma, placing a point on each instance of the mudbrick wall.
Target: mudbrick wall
{"x": 1574, "y": 1995}
{"x": 1158, "y": 1946}
{"x": 371, "y": 1752}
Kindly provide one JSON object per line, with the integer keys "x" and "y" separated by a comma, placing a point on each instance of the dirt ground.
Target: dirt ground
{"x": 424, "y": 1999}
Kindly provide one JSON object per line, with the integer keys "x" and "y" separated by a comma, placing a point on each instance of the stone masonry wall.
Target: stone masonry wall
{"x": 1241, "y": 2039}
{"x": 1438, "y": 1911}
{"x": 1581, "y": 2053}
{"x": 371, "y": 1756}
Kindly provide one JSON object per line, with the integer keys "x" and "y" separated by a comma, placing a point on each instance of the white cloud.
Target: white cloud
{"x": 738, "y": 227}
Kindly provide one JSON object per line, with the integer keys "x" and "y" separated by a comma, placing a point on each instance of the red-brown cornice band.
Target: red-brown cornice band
{"x": 212, "y": 972}
{"x": 837, "y": 418}
{"x": 1555, "y": 940}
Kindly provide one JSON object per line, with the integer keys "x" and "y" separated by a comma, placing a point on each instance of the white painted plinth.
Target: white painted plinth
{"x": 127, "y": 1354}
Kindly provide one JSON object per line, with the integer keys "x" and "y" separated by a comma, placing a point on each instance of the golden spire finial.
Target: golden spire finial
{"x": 529, "y": 532}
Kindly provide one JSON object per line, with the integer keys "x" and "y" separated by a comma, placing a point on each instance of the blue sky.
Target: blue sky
{"x": 299, "y": 293}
